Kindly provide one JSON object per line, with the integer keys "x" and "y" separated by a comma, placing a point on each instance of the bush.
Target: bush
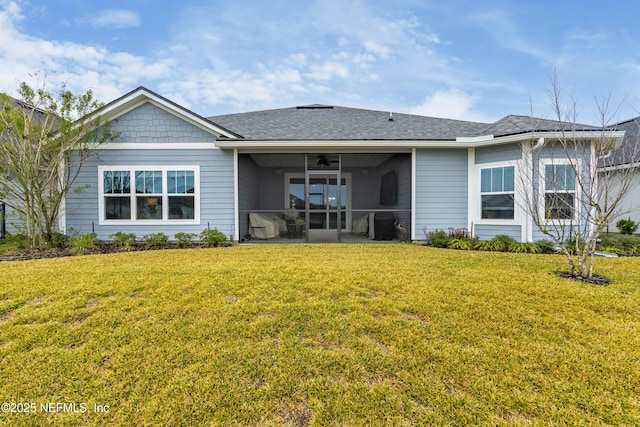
{"x": 623, "y": 242}
{"x": 503, "y": 242}
{"x": 458, "y": 233}
{"x": 58, "y": 240}
{"x": 486, "y": 245}
{"x": 524, "y": 248}
{"x": 123, "y": 240}
{"x": 153, "y": 240}
{"x": 84, "y": 242}
{"x": 546, "y": 246}
{"x": 185, "y": 239}
{"x": 627, "y": 226}
{"x": 212, "y": 237}
{"x": 438, "y": 238}
{"x": 464, "y": 243}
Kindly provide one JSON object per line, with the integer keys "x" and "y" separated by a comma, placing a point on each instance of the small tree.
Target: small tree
{"x": 574, "y": 197}
{"x": 44, "y": 140}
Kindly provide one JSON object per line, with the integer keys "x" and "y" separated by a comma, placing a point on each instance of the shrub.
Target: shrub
{"x": 212, "y": 237}
{"x": 82, "y": 243}
{"x": 627, "y": 226}
{"x": 458, "y": 233}
{"x": 185, "y": 239}
{"x": 123, "y": 240}
{"x": 438, "y": 238}
{"x": 487, "y": 245}
{"x": 546, "y": 246}
{"x": 623, "y": 242}
{"x": 153, "y": 240}
{"x": 502, "y": 242}
{"x": 612, "y": 250}
{"x": 58, "y": 240}
{"x": 464, "y": 243}
{"x": 524, "y": 247}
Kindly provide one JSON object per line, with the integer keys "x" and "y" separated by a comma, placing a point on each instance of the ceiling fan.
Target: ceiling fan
{"x": 323, "y": 162}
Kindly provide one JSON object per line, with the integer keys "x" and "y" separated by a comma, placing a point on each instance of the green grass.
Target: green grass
{"x": 320, "y": 335}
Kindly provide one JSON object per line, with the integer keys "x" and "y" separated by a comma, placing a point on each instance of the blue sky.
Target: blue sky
{"x": 470, "y": 60}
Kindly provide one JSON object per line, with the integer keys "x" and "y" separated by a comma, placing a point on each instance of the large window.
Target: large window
{"x": 497, "y": 192}
{"x": 149, "y": 194}
{"x": 559, "y": 191}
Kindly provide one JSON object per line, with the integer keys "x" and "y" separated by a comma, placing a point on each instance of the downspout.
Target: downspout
{"x": 538, "y": 145}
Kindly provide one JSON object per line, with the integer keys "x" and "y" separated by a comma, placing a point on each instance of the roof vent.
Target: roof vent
{"x": 390, "y": 116}
{"x": 314, "y": 107}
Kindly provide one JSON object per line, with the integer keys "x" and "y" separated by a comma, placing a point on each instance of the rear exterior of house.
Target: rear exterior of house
{"x": 312, "y": 173}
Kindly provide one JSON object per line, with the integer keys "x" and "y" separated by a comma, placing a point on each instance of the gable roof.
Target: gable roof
{"x": 142, "y": 95}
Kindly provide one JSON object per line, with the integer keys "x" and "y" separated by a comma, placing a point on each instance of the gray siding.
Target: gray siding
{"x": 12, "y": 221}
{"x": 488, "y": 232}
{"x": 149, "y": 123}
{"x": 498, "y": 153}
{"x": 441, "y": 189}
{"x": 216, "y": 191}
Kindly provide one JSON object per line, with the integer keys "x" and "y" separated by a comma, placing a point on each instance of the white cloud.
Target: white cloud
{"x": 79, "y": 66}
{"x": 450, "y": 103}
{"x": 114, "y": 19}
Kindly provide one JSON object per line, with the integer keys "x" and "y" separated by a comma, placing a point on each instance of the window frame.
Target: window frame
{"x": 134, "y": 195}
{"x": 542, "y": 182}
{"x": 491, "y": 167}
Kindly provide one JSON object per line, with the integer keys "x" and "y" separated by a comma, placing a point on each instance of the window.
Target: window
{"x": 559, "y": 191}
{"x": 497, "y": 192}
{"x": 154, "y": 194}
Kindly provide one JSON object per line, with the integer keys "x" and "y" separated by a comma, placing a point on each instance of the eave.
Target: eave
{"x": 614, "y": 137}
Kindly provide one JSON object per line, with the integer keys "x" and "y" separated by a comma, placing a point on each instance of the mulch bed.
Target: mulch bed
{"x": 104, "y": 248}
{"x": 594, "y": 280}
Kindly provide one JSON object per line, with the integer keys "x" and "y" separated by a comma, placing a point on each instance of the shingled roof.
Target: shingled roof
{"x": 325, "y": 122}
{"x": 629, "y": 151}
{"x": 322, "y": 122}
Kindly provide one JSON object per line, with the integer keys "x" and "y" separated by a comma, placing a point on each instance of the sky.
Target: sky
{"x": 469, "y": 60}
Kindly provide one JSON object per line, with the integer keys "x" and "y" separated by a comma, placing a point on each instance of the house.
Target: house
{"x": 331, "y": 171}
{"x": 623, "y": 165}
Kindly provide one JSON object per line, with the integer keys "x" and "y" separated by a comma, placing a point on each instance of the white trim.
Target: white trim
{"x": 414, "y": 161}
{"x": 474, "y": 138}
{"x": 632, "y": 165}
{"x": 475, "y": 196}
{"x": 165, "y": 195}
{"x": 542, "y": 190}
{"x": 142, "y": 95}
{"x": 410, "y": 143}
{"x": 157, "y": 146}
{"x": 236, "y": 195}
{"x": 473, "y": 199}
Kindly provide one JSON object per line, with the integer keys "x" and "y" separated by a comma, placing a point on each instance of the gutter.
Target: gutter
{"x": 460, "y": 142}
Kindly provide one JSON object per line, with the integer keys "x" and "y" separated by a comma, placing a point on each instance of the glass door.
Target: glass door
{"x": 326, "y": 207}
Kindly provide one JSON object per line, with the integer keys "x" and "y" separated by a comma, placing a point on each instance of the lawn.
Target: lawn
{"x": 318, "y": 335}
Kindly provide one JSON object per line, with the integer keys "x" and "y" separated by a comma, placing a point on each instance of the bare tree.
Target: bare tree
{"x": 571, "y": 192}
{"x": 44, "y": 140}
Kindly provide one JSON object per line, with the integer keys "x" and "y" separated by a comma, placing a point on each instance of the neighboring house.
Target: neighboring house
{"x": 622, "y": 161}
{"x": 172, "y": 170}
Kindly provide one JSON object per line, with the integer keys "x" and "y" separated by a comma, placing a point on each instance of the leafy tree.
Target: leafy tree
{"x": 44, "y": 140}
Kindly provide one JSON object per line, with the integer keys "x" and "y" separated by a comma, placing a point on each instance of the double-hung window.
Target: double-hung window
{"x": 497, "y": 192}
{"x": 559, "y": 191}
{"x": 149, "y": 194}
